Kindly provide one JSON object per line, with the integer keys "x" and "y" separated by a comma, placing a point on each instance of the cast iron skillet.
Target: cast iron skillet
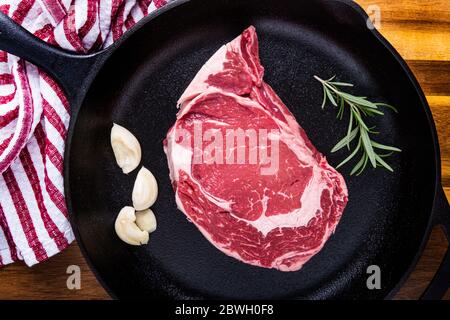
{"x": 136, "y": 83}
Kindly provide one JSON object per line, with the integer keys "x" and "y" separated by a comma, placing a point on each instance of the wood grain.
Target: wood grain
{"x": 48, "y": 280}
{"x": 420, "y": 31}
{"x": 440, "y": 107}
{"x": 432, "y": 75}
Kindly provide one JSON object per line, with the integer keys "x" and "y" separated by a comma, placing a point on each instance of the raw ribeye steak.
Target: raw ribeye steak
{"x": 271, "y": 200}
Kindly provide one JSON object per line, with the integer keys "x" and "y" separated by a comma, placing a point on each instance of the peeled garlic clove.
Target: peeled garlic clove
{"x": 127, "y": 229}
{"x": 126, "y": 147}
{"x": 146, "y": 220}
{"x": 145, "y": 190}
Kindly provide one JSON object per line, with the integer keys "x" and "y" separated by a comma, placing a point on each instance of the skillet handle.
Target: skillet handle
{"x": 70, "y": 70}
{"x": 441, "y": 280}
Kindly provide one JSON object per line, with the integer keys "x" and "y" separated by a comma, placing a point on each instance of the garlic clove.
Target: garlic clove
{"x": 146, "y": 220}
{"x": 145, "y": 190}
{"x": 126, "y": 147}
{"x": 127, "y": 229}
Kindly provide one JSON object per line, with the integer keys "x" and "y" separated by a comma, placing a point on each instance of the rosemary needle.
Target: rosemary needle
{"x": 359, "y": 108}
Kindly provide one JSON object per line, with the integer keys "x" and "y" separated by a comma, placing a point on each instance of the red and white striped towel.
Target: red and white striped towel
{"x": 34, "y": 116}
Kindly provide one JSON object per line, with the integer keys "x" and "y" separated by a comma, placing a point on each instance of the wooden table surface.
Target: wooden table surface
{"x": 420, "y": 31}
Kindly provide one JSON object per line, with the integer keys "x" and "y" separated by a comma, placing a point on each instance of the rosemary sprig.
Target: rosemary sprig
{"x": 359, "y": 108}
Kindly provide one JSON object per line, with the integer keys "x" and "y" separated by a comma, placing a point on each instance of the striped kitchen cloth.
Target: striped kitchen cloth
{"x": 34, "y": 117}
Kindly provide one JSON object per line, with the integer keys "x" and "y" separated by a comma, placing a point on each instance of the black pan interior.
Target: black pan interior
{"x": 387, "y": 213}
